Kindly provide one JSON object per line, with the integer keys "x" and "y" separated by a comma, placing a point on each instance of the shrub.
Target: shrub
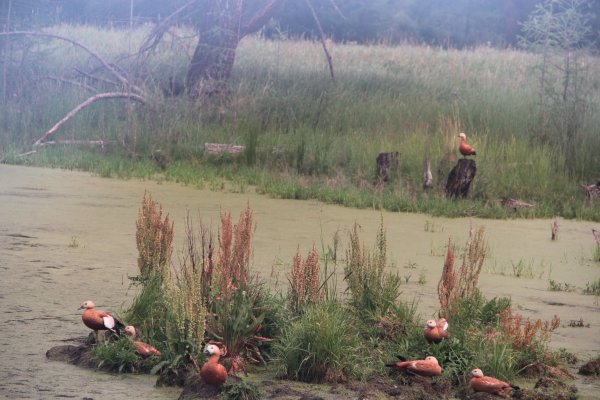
{"x": 372, "y": 290}
{"x": 455, "y": 286}
{"x": 321, "y": 345}
{"x": 305, "y": 282}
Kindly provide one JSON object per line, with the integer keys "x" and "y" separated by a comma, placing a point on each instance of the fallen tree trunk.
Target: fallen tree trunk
{"x": 83, "y": 105}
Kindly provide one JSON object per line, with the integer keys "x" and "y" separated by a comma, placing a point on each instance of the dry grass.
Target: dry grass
{"x": 528, "y": 333}
{"x": 191, "y": 291}
{"x": 154, "y": 238}
{"x": 462, "y": 284}
{"x": 235, "y": 250}
{"x": 305, "y": 283}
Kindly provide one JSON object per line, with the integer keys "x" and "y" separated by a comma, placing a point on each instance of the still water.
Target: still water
{"x": 66, "y": 237}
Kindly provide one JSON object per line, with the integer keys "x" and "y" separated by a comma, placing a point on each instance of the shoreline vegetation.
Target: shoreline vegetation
{"x": 338, "y": 341}
{"x": 305, "y": 136}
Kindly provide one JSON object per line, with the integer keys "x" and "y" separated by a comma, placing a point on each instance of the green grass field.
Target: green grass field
{"x": 305, "y": 135}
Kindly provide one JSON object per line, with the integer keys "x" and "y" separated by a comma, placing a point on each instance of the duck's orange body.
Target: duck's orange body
{"x": 465, "y": 148}
{"x": 487, "y": 384}
{"x": 99, "y": 320}
{"x": 213, "y": 373}
{"x": 145, "y": 350}
{"x": 435, "y": 332}
{"x": 427, "y": 367}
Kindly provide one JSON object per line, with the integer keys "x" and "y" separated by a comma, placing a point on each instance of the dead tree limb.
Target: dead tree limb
{"x": 322, "y": 36}
{"x": 91, "y": 100}
{"x": 120, "y": 77}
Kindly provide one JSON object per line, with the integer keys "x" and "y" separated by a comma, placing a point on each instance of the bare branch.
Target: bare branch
{"x": 95, "y": 78}
{"x": 163, "y": 27}
{"x": 322, "y": 35}
{"x": 260, "y": 18}
{"x": 70, "y": 82}
{"x": 95, "y": 55}
{"x": 83, "y": 105}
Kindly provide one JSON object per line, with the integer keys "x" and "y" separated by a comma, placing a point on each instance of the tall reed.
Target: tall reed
{"x": 455, "y": 286}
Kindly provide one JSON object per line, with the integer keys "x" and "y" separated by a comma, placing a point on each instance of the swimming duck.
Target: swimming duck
{"x": 465, "y": 148}
{"x": 143, "y": 349}
{"x": 435, "y": 332}
{"x": 487, "y": 384}
{"x": 213, "y": 373}
{"x": 99, "y": 320}
{"x": 427, "y": 367}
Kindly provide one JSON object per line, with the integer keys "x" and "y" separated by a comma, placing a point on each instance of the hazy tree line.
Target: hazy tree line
{"x": 454, "y": 23}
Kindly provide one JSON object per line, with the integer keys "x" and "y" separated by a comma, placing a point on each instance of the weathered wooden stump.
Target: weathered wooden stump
{"x": 460, "y": 178}
{"x": 387, "y": 164}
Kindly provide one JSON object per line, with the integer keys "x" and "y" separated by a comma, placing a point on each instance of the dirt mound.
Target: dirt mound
{"x": 591, "y": 368}
{"x": 540, "y": 369}
{"x": 81, "y": 355}
{"x": 548, "y": 389}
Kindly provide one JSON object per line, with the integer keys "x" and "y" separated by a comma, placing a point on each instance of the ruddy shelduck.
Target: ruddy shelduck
{"x": 487, "y": 384}
{"x": 143, "y": 349}
{"x": 465, "y": 148}
{"x": 435, "y": 332}
{"x": 427, "y": 367}
{"x": 99, "y": 320}
{"x": 213, "y": 373}
{"x": 133, "y": 332}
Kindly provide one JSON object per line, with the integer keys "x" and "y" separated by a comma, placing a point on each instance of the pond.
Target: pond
{"x": 67, "y": 237}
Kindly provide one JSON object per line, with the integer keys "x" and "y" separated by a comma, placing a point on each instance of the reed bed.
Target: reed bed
{"x": 307, "y": 136}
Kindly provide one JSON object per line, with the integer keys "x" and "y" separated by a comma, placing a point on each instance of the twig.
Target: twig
{"x": 95, "y": 55}
{"x": 322, "y": 36}
{"x": 70, "y": 82}
{"x": 83, "y": 105}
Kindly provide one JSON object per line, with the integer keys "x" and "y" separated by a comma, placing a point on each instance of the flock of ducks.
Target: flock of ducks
{"x": 435, "y": 332}
{"x": 215, "y": 374}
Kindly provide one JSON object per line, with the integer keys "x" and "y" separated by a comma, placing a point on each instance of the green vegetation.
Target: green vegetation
{"x": 306, "y": 136}
{"x": 592, "y": 287}
{"x": 308, "y": 334}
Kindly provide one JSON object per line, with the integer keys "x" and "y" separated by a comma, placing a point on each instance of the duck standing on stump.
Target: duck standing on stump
{"x": 143, "y": 349}
{"x": 435, "y": 332}
{"x": 487, "y": 384}
{"x": 99, "y": 320}
{"x": 465, "y": 148}
{"x": 427, "y": 367}
{"x": 213, "y": 373}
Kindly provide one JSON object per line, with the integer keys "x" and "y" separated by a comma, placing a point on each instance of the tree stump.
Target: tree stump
{"x": 387, "y": 164}
{"x": 460, "y": 178}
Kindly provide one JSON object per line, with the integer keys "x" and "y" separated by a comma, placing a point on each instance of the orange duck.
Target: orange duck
{"x": 427, "y": 367}
{"x": 99, "y": 320}
{"x": 213, "y": 373}
{"x": 143, "y": 349}
{"x": 487, "y": 384}
{"x": 465, "y": 148}
{"x": 435, "y": 332}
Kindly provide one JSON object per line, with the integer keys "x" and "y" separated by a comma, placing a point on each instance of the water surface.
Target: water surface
{"x": 66, "y": 237}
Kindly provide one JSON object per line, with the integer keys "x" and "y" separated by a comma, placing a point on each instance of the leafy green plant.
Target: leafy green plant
{"x": 241, "y": 391}
{"x": 592, "y": 287}
{"x": 119, "y": 356}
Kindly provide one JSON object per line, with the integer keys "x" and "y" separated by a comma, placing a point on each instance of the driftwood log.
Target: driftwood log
{"x": 515, "y": 204}
{"x": 219, "y": 148}
{"x": 387, "y": 164}
{"x": 460, "y": 178}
